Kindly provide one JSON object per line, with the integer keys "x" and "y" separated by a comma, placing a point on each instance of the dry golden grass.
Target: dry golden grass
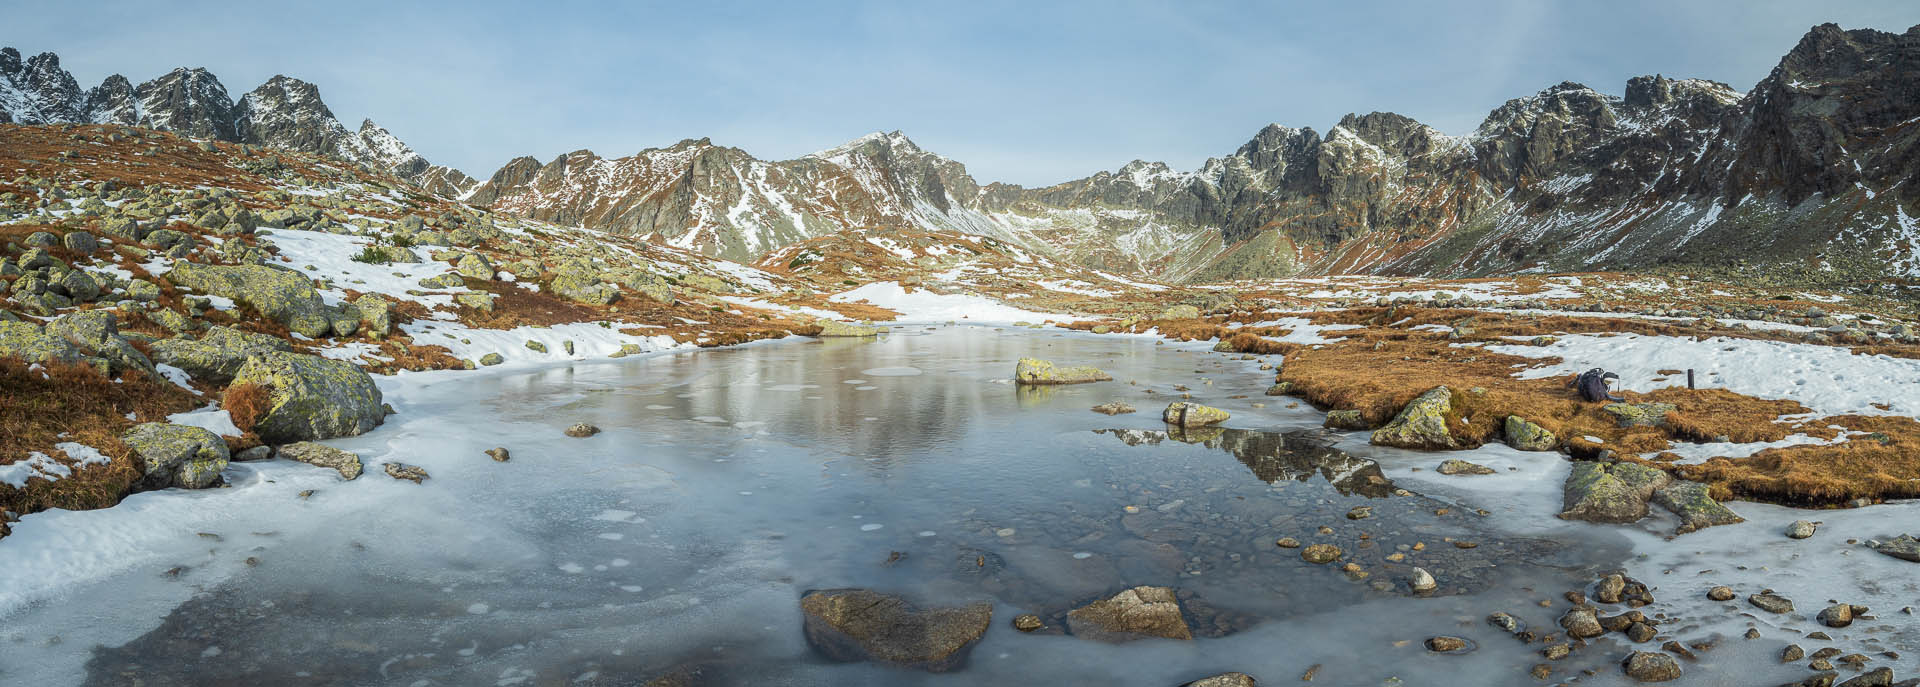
{"x": 245, "y": 403}
{"x": 1881, "y": 465}
{"x": 72, "y": 402}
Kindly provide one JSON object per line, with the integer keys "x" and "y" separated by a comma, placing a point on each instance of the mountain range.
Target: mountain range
{"x": 1801, "y": 177}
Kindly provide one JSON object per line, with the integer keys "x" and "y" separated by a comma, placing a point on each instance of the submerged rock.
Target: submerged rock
{"x": 836, "y": 328}
{"x": 1422, "y": 424}
{"x": 1132, "y": 614}
{"x": 581, "y": 430}
{"x": 410, "y": 473}
{"x": 1193, "y": 414}
{"x": 1695, "y": 506}
{"x": 1455, "y": 466}
{"x": 1320, "y": 553}
{"x": 1346, "y": 419}
{"x": 1036, "y": 371}
{"x": 1224, "y": 680}
{"x": 311, "y": 397}
{"x": 1903, "y": 547}
{"x": 322, "y": 455}
{"x": 1614, "y": 493}
{"x": 1526, "y": 436}
{"x": 1114, "y": 408}
{"x": 862, "y": 625}
{"x": 177, "y": 455}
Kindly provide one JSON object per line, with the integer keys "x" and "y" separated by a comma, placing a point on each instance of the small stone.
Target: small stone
{"x": 1360, "y": 513}
{"x": 1800, "y": 529}
{"x": 1446, "y": 644}
{"x": 1422, "y": 580}
{"x": 1722, "y": 593}
{"x": 1542, "y": 671}
{"x": 1027, "y": 622}
{"x": 1287, "y": 543}
{"x": 1582, "y": 622}
{"x": 499, "y": 455}
{"x": 1641, "y": 632}
{"x": 1556, "y": 652}
{"x": 1455, "y": 466}
{"x": 1837, "y": 615}
{"x": 581, "y": 430}
{"x": 1771, "y": 603}
{"x": 1114, "y": 408}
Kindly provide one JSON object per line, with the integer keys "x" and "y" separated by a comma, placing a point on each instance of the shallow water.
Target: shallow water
{"x": 727, "y": 483}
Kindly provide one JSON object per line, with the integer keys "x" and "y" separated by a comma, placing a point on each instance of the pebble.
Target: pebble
{"x": 1720, "y": 593}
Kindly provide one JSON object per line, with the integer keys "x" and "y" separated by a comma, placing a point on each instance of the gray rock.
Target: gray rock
{"x": 29, "y": 343}
{"x": 1903, "y": 547}
{"x": 832, "y": 328}
{"x": 312, "y": 397}
{"x": 1036, "y": 371}
{"x": 410, "y": 473}
{"x": 1800, "y": 529}
{"x": 1421, "y": 424}
{"x": 1771, "y": 602}
{"x": 322, "y": 455}
{"x": 861, "y": 625}
{"x": 581, "y": 430}
{"x": 474, "y": 266}
{"x": 1616, "y": 493}
{"x": 177, "y": 455}
{"x": 80, "y": 242}
{"x": 98, "y": 332}
{"x": 218, "y": 355}
{"x": 1224, "y": 680}
{"x": 285, "y": 296}
{"x": 1651, "y": 666}
{"x": 1695, "y": 506}
{"x": 1455, "y": 466}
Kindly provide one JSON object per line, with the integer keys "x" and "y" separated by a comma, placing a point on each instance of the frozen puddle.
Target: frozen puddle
{"x": 676, "y": 541}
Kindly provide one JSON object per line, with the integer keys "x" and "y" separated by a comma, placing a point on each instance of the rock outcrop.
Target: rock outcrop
{"x": 1615, "y": 493}
{"x": 218, "y": 354}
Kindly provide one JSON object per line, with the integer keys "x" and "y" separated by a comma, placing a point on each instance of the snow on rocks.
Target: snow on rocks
{"x": 588, "y": 340}
{"x": 927, "y": 306}
{"x": 41, "y": 466}
{"x": 332, "y": 257}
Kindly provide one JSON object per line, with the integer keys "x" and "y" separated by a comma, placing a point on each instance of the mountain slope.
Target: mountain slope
{"x": 283, "y": 113}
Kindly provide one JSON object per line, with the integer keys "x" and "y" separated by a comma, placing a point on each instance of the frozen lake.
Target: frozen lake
{"x": 727, "y": 483}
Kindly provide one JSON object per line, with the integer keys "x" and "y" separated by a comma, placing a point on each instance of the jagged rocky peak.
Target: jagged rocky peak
{"x": 287, "y": 113}
{"x": 9, "y": 61}
{"x": 189, "y": 102}
{"x": 1644, "y": 92}
{"x": 113, "y": 102}
{"x": 1145, "y": 174}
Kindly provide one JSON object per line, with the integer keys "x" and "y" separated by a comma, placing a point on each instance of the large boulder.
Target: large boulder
{"x": 578, "y": 281}
{"x": 864, "y": 625}
{"x": 1639, "y": 414}
{"x": 281, "y": 294}
{"x": 1422, "y": 424}
{"x": 474, "y": 266}
{"x": 837, "y": 328}
{"x": 1135, "y": 613}
{"x": 1527, "y": 436}
{"x": 28, "y": 342}
{"x": 98, "y": 332}
{"x": 219, "y": 353}
{"x": 1036, "y": 371}
{"x": 376, "y": 314}
{"x": 1616, "y": 493}
{"x": 311, "y": 397}
{"x": 1695, "y": 506}
{"x": 1186, "y": 414}
{"x": 177, "y": 455}
{"x": 649, "y": 285}
{"x": 1180, "y": 312}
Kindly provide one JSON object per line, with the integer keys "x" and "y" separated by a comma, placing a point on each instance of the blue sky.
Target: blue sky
{"x": 1026, "y": 92}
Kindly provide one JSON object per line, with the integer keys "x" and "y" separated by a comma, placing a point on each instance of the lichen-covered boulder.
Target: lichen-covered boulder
{"x": 284, "y": 295}
{"x": 98, "y": 332}
{"x": 1193, "y": 414}
{"x": 1527, "y": 436}
{"x": 311, "y": 397}
{"x": 1135, "y": 613}
{"x": 78, "y": 285}
{"x": 1180, "y": 312}
{"x": 376, "y": 314}
{"x": 474, "y": 266}
{"x": 322, "y": 455}
{"x": 28, "y": 342}
{"x": 177, "y": 455}
{"x": 649, "y": 285}
{"x": 1422, "y": 424}
{"x": 1639, "y": 414}
{"x": 1695, "y": 506}
{"x": 1036, "y": 371}
{"x": 448, "y": 280}
{"x": 863, "y": 625}
{"x": 1616, "y": 493}
{"x": 837, "y": 328}
{"x": 218, "y": 355}
{"x": 578, "y": 281}
{"x": 1904, "y": 547}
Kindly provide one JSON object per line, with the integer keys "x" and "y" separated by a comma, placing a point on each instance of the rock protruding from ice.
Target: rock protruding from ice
{"x": 863, "y": 625}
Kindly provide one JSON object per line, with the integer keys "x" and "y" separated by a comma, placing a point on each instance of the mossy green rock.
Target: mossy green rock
{"x": 1280, "y": 389}
{"x": 1639, "y": 414}
{"x": 492, "y": 359}
{"x": 376, "y": 314}
{"x": 1193, "y": 414}
{"x": 1422, "y": 424}
{"x": 1695, "y": 506}
{"x": 450, "y": 280}
{"x": 1527, "y": 436}
{"x": 283, "y": 295}
{"x": 1346, "y": 419}
{"x": 707, "y": 283}
{"x": 478, "y": 300}
{"x": 1615, "y": 493}
{"x": 579, "y": 282}
{"x": 98, "y": 332}
{"x": 177, "y": 455}
{"x": 312, "y": 397}
{"x": 29, "y": 343}
{"x": 218, "y": 355}
{"x": 837, "y": 328}
{"x": 474, "y": 266}
{"x": 1037, "y": 371}
{"x": 1180, "y": 312}
{"x": 536, "y": 346}
{"x": 172, "y": 321}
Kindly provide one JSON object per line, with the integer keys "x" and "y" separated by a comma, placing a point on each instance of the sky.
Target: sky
{"x": 1034, "y": 93}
